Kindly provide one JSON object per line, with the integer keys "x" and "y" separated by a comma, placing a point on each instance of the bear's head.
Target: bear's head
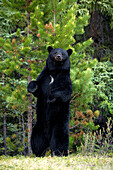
{"x": 58, "y": 59}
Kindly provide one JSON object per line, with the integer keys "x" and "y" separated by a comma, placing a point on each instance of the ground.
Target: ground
{"x": 77, "y": 162}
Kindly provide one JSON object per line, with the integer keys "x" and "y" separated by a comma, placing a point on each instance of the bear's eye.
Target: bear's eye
{"x": 55, "y": 52}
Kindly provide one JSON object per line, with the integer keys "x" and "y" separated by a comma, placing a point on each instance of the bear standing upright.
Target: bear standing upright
{"x": 53, "y": 89}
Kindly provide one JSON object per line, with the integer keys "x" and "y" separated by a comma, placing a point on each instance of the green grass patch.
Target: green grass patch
{"x": 56, "y": 163}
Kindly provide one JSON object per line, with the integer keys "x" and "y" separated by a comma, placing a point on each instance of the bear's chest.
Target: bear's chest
{"x": 46, "y": 84}
{"x": 52, "y": 83}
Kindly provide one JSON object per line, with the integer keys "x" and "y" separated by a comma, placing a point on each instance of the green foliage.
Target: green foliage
{"x": 83, "y": 86}
{"x": 1, "y": 41}
{"x": 10, "y": 18}
{"x": 103, "y": 6}
{"x": 71, "y": 142}
{"x": 14, "y": 138}
{"x": 94, "y": 143}
{"x": 103, "y": 80}
{"x": 25, "y": 51}
{"x": 81, "y": 123}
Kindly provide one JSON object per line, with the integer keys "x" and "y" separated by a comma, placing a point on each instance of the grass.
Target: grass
{"x": 77, "y": 162}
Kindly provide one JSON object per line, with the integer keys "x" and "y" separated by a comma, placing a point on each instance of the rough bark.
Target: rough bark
{"x": 23, "y": 127}
{"x": 4, "y": 120}
{"x": 96, "y": 27}
{"x": 29, "y": 119}
{"x": 30, "y": 101}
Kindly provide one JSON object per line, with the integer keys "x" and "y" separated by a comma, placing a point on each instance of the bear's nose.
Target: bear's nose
{"x": 59, "y": 57}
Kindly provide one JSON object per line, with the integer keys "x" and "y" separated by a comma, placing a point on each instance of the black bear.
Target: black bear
{"x": 53, "y": 89}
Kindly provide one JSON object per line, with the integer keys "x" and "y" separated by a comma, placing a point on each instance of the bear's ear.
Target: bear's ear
{"x": 50, "y": 49}
{"x": 69, "y": 51}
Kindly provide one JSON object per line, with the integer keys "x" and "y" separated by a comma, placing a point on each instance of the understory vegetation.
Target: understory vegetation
{"x": 27, "y": 28}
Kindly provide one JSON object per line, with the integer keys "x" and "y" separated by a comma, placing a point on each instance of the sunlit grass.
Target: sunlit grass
{"x": 56, "y": 163}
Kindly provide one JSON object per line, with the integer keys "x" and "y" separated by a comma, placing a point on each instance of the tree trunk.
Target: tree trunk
{"x": 29, "y": 119}
{"x": 29, "y": 96}
{"x": 96, "y": 27}
{"x": 4, "y": 121}
{"x": 23, "y": 127}
{"x": 4, "y": 132}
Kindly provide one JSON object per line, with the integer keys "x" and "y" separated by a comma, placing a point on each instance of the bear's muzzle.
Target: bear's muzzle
{"x": 58, "y": 57}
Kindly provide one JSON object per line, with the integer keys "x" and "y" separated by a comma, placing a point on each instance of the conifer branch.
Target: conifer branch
{"x": 81, "y": 40}
{"x": 54, "y": 20}
{"x": 65, "y": 40}
{"x": 79, "y": 91}
{"x": 74, "y": 126}
{"x": 78, "y": 124}
{"x": 54, "y": 17}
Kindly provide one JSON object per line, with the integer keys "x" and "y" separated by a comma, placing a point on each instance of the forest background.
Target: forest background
{"x": 27, "y": 28}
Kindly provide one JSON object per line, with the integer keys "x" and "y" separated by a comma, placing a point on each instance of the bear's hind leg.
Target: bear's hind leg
{"x": 39, "y": 143}
{"x": 60, "y": 140}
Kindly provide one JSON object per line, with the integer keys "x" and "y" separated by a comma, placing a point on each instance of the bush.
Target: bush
{"x": 103, "y": 81}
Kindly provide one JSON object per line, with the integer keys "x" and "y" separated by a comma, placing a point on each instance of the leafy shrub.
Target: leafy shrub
{"x": 103, "y": 80}
{"x": 94, "y": 143}
{"x": 81, "y": 124}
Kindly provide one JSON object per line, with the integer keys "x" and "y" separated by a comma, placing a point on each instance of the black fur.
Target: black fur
{"x": 53, "y": 89}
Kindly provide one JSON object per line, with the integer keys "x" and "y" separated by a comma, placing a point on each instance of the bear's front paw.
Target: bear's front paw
{"x": 32, "y": 87}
